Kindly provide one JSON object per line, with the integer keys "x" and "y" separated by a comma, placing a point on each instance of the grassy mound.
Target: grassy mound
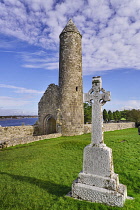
{"x": 39, "y": 175}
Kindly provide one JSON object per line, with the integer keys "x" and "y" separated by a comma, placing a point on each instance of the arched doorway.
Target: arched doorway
{"x": 49, "y": 125}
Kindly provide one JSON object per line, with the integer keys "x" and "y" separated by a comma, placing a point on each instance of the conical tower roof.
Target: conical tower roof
{"x": 70, "y": 27}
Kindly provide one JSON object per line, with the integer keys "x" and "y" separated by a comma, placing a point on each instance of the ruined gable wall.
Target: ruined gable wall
{"x": 48, "y": 105}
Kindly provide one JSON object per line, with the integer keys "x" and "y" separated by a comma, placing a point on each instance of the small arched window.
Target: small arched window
{"x": 77, "y": 88}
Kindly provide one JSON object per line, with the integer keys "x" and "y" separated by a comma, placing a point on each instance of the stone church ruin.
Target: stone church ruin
{"x": 60, "y": 109}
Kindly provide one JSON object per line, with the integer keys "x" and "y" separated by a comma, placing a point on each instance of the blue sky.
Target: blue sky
{"x": 29, "y": 49}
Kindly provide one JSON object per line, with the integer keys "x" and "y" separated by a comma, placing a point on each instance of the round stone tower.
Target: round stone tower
{"x": 70, "y": 81}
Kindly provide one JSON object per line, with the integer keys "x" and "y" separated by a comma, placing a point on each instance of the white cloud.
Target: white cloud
{"x": 40, "y": 59}
{"x": 21, "y": 89}
{"x": 110, "y": 29}
{"x": 121, "y": 105}
{"x": 17, "y": 111}
{"x": 48, "y": 66}
{"x": 132, "y": 104}
{"x": 21, "y": 105}
{"x": 12, "y": 102}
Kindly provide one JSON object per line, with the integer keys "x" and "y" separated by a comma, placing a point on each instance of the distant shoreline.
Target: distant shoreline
{"x": 17, "y": 117}
{"x": 18, "y": 121}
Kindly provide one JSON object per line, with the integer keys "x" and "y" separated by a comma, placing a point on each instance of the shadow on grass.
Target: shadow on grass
{"x": 49, "y": 186}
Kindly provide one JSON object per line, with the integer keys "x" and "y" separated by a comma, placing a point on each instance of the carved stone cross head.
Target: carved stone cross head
{"x": 96, "y": 84}
{"x": 94, "y": 93}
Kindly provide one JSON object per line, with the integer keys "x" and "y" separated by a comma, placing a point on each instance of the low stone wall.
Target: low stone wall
{"x": 26, "y": 140}
{"x": 111, "y": 126}
{"x": 15, "y": 132}
{"x": 118, "y": 126}
{"x": 14, "y": 135}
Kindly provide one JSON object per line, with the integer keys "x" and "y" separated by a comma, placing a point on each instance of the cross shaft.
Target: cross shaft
{"x": 98, "y": 100}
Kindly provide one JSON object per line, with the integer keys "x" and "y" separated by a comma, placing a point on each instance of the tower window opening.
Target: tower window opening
{"x": 77, "y": 88}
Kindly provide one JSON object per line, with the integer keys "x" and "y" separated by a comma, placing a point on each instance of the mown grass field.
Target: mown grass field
{"x": 39, "y": 175}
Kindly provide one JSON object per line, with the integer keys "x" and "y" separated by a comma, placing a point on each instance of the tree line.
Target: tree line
{"x": 115, "y": 116}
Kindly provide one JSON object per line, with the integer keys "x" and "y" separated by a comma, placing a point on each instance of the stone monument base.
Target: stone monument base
{"x": 99, "y": 195}
{"x": 98, "y": 182}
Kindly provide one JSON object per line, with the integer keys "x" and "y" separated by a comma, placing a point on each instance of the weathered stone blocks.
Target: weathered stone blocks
{"x": 111, "y": 126}
{"x": 98, "y": 160}
{"x": 70, "y": 81}
{"x": 68, "y": 96}
{"x": 98, "y": 182}
{"x": 99, "y": 195}
{"x": 48, "y": 109}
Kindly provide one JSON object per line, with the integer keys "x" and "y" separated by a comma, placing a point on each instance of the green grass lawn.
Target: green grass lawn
{"x": 40, "y": 174}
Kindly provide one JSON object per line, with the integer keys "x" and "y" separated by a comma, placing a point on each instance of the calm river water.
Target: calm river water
{"x": 17, "y": 122}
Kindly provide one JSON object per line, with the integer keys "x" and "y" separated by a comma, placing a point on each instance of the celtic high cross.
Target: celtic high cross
{"x": 98, "y": 100}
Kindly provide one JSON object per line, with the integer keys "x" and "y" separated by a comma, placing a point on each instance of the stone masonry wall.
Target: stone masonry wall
{"x": 15, "y": 132}
{"x": 111, "y": 126}
{"x": 14, "y": 135}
